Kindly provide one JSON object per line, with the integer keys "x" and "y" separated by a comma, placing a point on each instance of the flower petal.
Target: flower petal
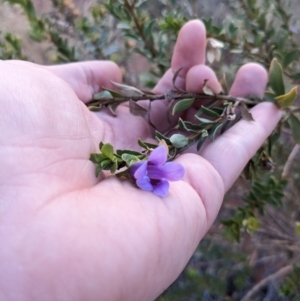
{"x": 155, "y": 172}
{"x": 140, "y": 169}
{"x": 158, "y": 156}
{"x": 134, "y": 167}
{"x": 144, "y": 183}
{"x": 170, "y": 171}
{"x": 161, "y": 188}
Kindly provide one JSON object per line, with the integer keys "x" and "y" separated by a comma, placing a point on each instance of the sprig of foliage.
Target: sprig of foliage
{"x": 11, "y": 47}
{"x": 251, "y": 30}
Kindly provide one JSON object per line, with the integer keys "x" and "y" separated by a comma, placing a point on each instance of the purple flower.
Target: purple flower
{"x": 154, "y": 174}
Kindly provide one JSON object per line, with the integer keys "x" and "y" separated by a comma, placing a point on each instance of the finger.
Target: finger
{"x": 252, "y": 79}
{"x": 230, "y": 152}
{"x": 102, "y": 125}
{"x": 190, "y": 47}
{"x": 88, "y": 78}
{"x": 195, "y": 79}
{"x": 208, "y": 185}
{"x": 189, "y": 51}
{"x": 85, "y": 78}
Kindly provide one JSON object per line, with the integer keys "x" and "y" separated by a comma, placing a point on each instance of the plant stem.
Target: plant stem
{"x": 139, "y": 28}
{"x": 178, "y": 96}
{"x": 279, "y": 274}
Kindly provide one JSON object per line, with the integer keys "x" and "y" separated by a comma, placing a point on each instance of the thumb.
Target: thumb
{"x": 85, "y": 78}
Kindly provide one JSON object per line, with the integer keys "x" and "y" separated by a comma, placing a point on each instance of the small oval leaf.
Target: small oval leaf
{"x": 159, "y": 136}
{"x": 179, "y": 140}
{"x": 128, "y": 91}
{"x": 97, "y": 158}
{"x": 214, "y": 130}
{"x": 112, "y": 92}
{"x": 294, "y": 123}
{"x": 94, "y": 108}
{"x": 276, "y": 78}
{"x": 269, "y": 96}
{"x": 204, "y": 120}
{"x": 224, "y": 85}
{"x": 103, "y": 94}
{"x": 182, "y": 105}
{"x": 286, "y": 100}
{"x": 98, "y": 170}
{"x": 114, "y": 167}
{"x": 129, "y": 159}
{"x": 209, "y": 112}
{"x": 108, "y": 150}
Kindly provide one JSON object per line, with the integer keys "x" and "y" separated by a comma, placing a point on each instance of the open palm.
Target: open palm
{"x": 67, "y": 235}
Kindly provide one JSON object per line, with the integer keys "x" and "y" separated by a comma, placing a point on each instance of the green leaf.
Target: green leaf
{"x": 120, "y": 152}
{"x": 179, "y": 140}
{"x": 204, "y": 120}
{"x": 98, "y": 170}
{"x": 95, "y": 108}
{"x": 269, "y": 96}
{"x": 276, "y": 77}
{"x": 249, "y": 170}
{"x": 103, "y": 94}
{"x": 105, "y": 163}
{"x": 213, "y": 131}
{"x": 200, "y": 141}
{"x": 159, "y": 136}
{"x": 113, "y": 93}
{"x": 146, "y": 145}
{"x": 149, "y": 29}
{"x": 225, "y": 126}
{"x": 223, "y": 83}
{"x": 294, "y": 123}
{"x": 297, "y": 226}
{"x": 182, "y": 105}
{"x": 114, "y": 167}
{"x": 182, "y": 125}
{"x": 108, "y": 150}
{"x": 286, "y": 100}
{"x": 232, "y": 30}
{"x": 97, "y": 158}
{"x": 209, "y": 112}
{"x": 129, "y": 159}
{"x": 251, "y": 224}
{"x": 290, "y": 57}
{"x": 190, "y": 127}
{"x": 232, "y": 230}
{"x": 272, "y": 140}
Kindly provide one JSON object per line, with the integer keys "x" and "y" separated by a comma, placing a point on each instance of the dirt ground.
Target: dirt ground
{"x": 13, "y": 20}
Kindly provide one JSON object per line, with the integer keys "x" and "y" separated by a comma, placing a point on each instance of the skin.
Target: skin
{"x": 66, "y": 235}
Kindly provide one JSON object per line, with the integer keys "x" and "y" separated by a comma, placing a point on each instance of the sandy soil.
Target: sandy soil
{"x": 13, "y": 20}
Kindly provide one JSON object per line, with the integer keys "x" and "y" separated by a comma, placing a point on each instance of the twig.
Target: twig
{"x": 280, "y": 273}
{"x": 290, "y": 160}
{"x": 279, "y": 236}
{"x": 179, "y": 96}
{"x": 280, "y": 221}
{"x": 139, "y": 28}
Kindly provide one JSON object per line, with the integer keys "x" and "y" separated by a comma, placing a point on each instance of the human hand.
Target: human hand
{"x": 66, "y": 235}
